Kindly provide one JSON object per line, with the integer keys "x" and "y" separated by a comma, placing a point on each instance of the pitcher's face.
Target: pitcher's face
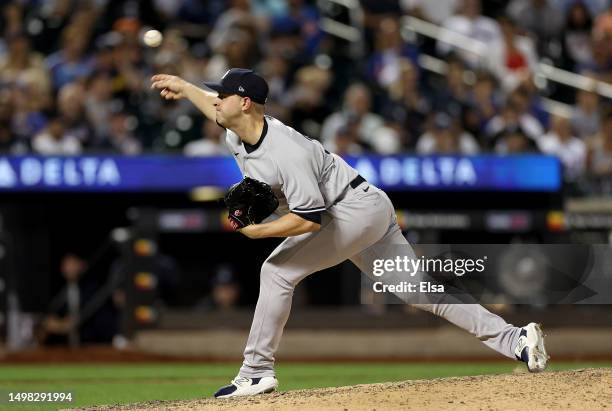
{"x": 229, "y": 108}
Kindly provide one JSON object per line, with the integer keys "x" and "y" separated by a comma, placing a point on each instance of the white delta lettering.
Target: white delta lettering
{"x": 8, "y": 178}
{"x": 367, "y": 170}
{"x": 428, "y": 171}
{"x": 55, "y": 171}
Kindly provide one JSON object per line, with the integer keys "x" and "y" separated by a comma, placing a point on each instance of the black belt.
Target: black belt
{"x": 357, "y": 181}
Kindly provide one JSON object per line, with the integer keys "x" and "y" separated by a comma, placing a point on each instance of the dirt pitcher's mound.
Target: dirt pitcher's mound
{"x": 588, "y": 389}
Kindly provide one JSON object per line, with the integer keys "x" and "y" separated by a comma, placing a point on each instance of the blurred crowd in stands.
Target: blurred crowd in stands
{"x": 74, "y": 75}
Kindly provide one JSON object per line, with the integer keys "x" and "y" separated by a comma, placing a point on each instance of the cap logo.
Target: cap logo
{"x": 241, "y": 89}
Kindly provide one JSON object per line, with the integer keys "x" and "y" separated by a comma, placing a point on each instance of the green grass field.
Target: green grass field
{"x": 126, "y": 383}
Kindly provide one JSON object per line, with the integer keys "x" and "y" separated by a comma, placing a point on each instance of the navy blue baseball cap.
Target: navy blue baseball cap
{"x": 244, "y": 82}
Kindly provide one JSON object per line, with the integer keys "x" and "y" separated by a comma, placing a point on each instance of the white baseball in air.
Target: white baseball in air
{"x": 152, "y": 38}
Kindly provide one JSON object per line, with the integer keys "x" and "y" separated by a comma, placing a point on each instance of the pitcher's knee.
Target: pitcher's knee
{"x": 273, "y": 275}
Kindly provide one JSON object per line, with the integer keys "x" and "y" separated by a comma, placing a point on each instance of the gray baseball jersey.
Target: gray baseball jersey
{"x": 355, "y": 219}
{"x": 305, "y": 177}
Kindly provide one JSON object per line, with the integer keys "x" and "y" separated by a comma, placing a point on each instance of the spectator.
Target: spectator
{"x": 347, "y": 139}
{"x": 482, "y": 105}
{"x": 225, "y": 291}
{"x": 211, "y": 144}
{"x": 288, "y": 43}
{"x": 82, "y": 312}
{"x": 514, "y": 116}
{"x": 542, "y": 18}
{"x": 469, "y": 22}
{"x": 576, "y": 38}
{"x": 600, "y": 148}
{"x": 389, "y": 138}
{"x": 452, "y": 93}
{"x": 128, "y": 62}
{"x": 603, "y": 24}
{"x": 64, "y": 322}
{"x": 407, "y": 103}
{"x": 384, "y": 65}
{"x": 71, "y": 105}
{"x": 373, "y": 12}
{"x": 585, "y": 114}
{"x": 600, "y": 65}
{"x": 28, "y": 118}
{"x": 307, "y": 101}
{"x": 237, "y": 50}
{"x": 21, "y": 63}
{"x": 104, "y": 49}
{"x": 54, "y": 140}
{"x": 99, "y": 104}
{"x": 120, "y": 137}
{"x": 12, "y": 18}
{"x": 304, "y": 18}
{"x": 513, "y": 140}
{"x": 357, "y": 105}
{"x": 446, "y": 138}
{"x": 70, "y": 62}
{"x": 8, "y": 141}
{"x": 560, "y": 142}
{"x": 275, "y": 69}
{"x": 237, "y": 16}
{"x": 528, "y": 96}
{"x": 514, "y": 58}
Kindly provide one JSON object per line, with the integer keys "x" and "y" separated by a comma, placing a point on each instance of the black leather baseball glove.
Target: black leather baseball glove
{"x": 249, "y": 202}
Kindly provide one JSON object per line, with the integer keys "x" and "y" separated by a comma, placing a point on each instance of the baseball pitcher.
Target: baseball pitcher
{"x": 328, "y": 214}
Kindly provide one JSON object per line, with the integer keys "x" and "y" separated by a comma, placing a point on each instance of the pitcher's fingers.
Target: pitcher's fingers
{"x": 171, "y": 96}
{"x": 157, "y": 77}
{"x": 159, "y": 84}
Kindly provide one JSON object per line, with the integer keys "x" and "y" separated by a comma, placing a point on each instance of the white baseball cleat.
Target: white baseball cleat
{"x": 530, "y": 348}
{"x": 247, "y": 386}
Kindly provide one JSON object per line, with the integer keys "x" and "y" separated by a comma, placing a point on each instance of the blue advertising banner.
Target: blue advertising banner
{"x": 461, "y": 173}
{"x": 179, "y": 174}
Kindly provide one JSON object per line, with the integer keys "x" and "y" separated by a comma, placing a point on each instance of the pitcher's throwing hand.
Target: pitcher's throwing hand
{"x": 171, "y": 86}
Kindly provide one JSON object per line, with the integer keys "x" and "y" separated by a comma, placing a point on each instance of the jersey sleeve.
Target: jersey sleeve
{"x": 299, "y": 179}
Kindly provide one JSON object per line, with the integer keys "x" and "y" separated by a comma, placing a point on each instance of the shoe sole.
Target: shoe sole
{"x": 246, "y": 394}
{"x": 538, "y": 351}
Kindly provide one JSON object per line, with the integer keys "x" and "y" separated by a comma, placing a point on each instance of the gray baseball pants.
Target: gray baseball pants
{"x": 364, "y": 219}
